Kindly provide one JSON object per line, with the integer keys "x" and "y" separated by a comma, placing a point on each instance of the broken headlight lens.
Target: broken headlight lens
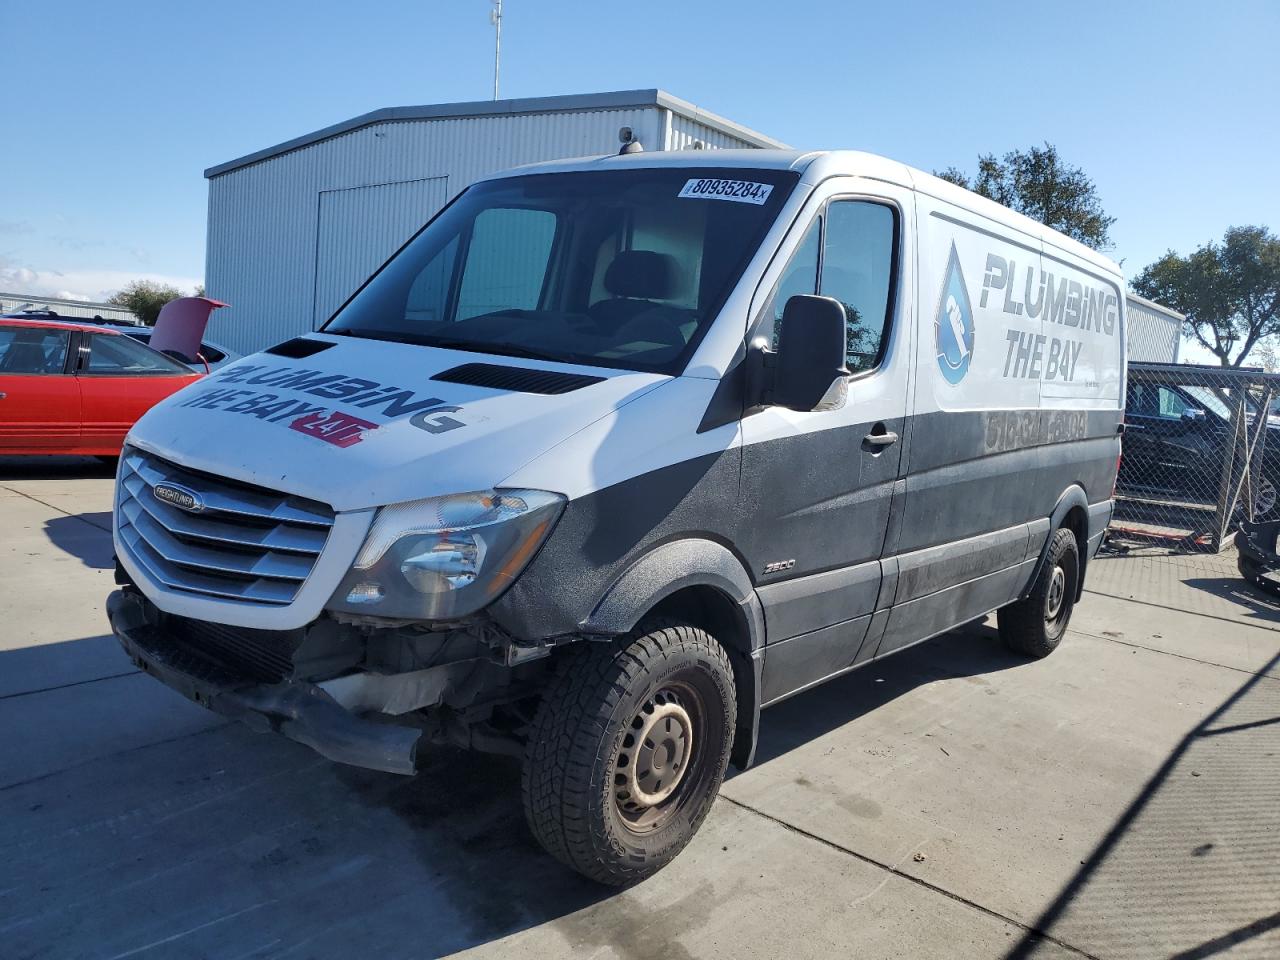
{"x": 446, "y": 557}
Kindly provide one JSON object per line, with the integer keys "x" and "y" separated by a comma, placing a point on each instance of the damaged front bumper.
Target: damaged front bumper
{"x": 319, "y": 715}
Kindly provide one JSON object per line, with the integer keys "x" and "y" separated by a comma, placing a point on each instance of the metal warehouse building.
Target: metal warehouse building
{"x": 295, "y": 228}
{"x": 13, "y": 302}
{"x": 1155, "y": 331}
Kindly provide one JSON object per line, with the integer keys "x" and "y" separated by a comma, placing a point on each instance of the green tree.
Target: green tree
{"x": 1229, "y": 291}
{"x": 1036, "y": 182}
{"x": 143, "y": 299}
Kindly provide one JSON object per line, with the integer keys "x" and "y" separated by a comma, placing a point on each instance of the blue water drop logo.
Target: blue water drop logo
{"x": 953, "y": 325}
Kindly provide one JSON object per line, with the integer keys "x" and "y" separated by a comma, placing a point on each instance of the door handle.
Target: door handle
{"x": 3, "y": 395}
{"x": 879, "y": 438}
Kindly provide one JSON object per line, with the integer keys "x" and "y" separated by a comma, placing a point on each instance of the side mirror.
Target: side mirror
{"x": 1193, "y": 415}
{"x": 811, "y": 351}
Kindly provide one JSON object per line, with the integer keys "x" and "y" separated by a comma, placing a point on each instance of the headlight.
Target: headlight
{"x": 445, "y": 557}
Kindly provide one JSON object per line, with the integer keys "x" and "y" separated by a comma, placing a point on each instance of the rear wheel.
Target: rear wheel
{"x": 1035, "y": 624}
{"x": 628, "y": 750}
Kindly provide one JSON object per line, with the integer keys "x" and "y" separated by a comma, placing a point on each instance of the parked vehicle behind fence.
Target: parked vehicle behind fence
{"x": 616, "y": 452}
{"x": 1178, "y": 437}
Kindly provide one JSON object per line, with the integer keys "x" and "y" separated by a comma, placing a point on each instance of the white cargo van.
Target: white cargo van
{"x": 615, "y": 453}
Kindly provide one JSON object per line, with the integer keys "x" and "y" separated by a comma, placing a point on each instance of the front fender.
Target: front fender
{"x": 660, "y": 573}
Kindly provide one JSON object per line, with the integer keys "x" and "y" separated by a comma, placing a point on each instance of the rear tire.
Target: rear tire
{"x": 1034, "y": 625}
{"x": 628, "y": 750}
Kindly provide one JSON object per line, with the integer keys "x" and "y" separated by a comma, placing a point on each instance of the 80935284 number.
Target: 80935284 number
{"x": 741, "y": 191}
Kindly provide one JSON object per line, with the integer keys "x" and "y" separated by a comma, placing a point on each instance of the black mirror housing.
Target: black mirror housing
{"x": 811, "y": 351}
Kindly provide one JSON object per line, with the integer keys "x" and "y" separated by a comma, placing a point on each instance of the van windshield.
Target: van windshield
{"x": 611, "y": 268}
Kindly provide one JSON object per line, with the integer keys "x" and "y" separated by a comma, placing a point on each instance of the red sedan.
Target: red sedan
{"x": 72, "y": 388}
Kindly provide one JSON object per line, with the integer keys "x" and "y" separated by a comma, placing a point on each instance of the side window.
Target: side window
{"x": 1172, "y": 404}
{"x": 857, "y": 269}
{"x": 33, "y": 350}
{"x": 507, "y": 261}
{"x": 211, "y": 353}
{"x": 800, "y": 277}
{"x": 1141, "y": 401}
{"x": 123, "y": 356}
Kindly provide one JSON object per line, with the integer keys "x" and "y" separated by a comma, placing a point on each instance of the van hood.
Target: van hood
{"x": 362, "y": 423}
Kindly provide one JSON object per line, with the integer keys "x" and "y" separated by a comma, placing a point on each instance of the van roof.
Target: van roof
{"x": 816, "y": 165}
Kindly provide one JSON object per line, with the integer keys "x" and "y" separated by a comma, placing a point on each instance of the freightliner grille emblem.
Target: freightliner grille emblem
{"x": 178, "y": 496}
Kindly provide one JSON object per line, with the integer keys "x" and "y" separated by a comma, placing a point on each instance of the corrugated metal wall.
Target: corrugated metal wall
{"x": 682, "y": 133}
{"x": 1154, "y": 333}
{"x": 264, "y": 233}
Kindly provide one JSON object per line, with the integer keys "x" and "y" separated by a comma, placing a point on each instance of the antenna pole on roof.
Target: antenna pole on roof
{"x": 495, "y": 17}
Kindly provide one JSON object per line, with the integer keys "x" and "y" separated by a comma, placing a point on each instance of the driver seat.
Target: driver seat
{"x": 635, "y": 279}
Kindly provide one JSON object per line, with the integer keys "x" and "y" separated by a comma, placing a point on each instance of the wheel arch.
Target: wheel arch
{"x": 702, "y": 583}
{"x": 1071, "y": 512}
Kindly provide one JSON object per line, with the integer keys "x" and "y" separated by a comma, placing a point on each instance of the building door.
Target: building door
{"x": 359, "y": 228}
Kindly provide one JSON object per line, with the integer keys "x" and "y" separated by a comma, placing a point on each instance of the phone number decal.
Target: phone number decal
{"x": 740, "y": 191}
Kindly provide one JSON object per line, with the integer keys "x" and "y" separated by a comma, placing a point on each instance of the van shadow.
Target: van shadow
{"x": 968, "y": 651}
{"x": 85, "y": 536}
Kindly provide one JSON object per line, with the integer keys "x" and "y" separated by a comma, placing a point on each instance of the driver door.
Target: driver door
{"x": 39, "y": 400}
{"x": 818, "y": 486}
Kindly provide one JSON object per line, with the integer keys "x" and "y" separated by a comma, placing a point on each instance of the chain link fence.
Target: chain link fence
{"x": 1201, "y": 452}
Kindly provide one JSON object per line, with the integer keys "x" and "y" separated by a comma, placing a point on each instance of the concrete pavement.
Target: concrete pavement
{"x": 1118, "y": 799}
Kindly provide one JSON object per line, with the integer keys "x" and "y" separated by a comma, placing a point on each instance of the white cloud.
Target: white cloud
{"x": 79, "y": 284}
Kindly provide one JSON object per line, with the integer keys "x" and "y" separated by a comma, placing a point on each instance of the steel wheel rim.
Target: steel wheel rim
{"x": 1057, "y": 594}
{"x": 656, "y": 759}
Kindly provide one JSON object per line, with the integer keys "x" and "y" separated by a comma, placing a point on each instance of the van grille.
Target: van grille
{"x": 246, "y": 543}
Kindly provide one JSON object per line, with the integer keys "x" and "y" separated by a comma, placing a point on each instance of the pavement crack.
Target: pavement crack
{"x": 1169, "y": 653}
{"x": 1182, "y": 610}
{"x": 65, "y": 513}
{"x": 64, "y": 686}
{"x": 112, "y": 756}
{"x": 889, "y": 868}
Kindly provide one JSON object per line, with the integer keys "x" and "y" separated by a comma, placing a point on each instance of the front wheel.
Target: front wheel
{"x": 1035, "y": 624}
{"x": 628, "y": 749}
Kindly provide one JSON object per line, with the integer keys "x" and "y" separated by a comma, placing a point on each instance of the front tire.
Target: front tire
{"x": 628, "y": 750}
{"x": 1034, "y": 625}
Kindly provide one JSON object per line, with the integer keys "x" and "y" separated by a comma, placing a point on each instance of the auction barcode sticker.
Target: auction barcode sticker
{"x": 740, "y": 191}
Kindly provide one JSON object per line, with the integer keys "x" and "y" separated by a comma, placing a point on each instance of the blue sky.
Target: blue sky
{"x": 112, "y": 112}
